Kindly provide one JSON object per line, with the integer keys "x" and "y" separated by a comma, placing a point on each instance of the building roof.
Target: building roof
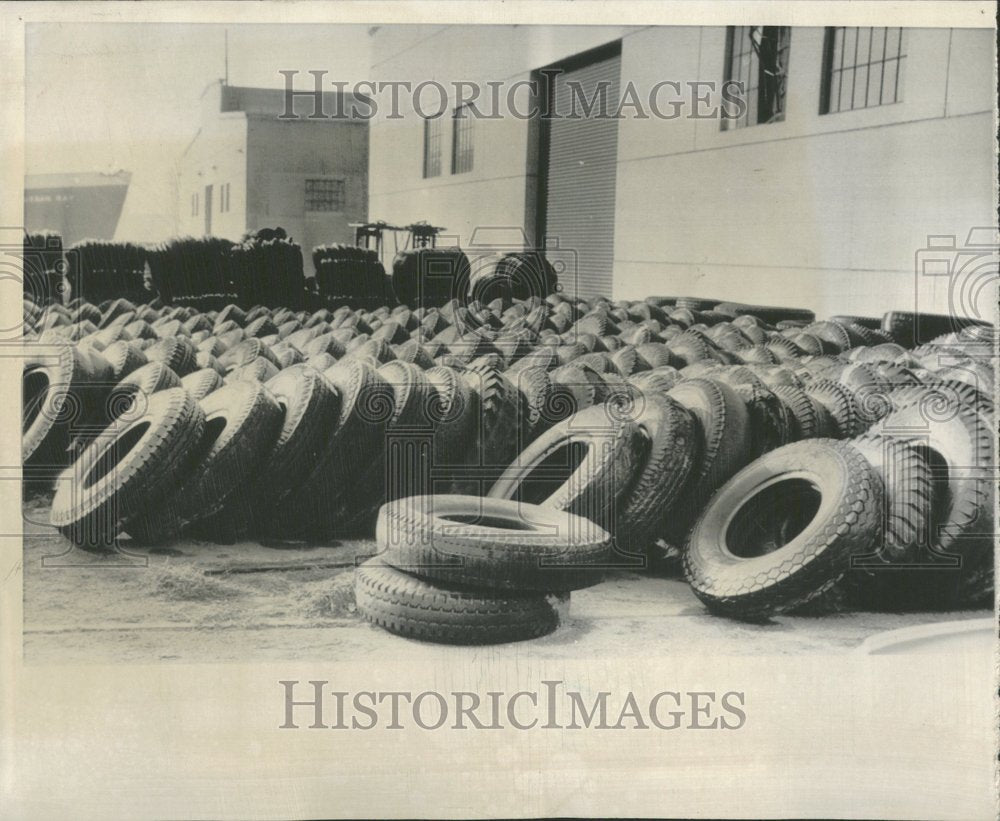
{"x": 271, "y": 101}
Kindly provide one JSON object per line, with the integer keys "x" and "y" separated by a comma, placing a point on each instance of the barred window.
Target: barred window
{"x": 432, "y": 147}
{"x": 862, "y": 68}
{"x": 324, "y": 195}
{"x": 757, "y": 59}
{"x": 462, "y": 147}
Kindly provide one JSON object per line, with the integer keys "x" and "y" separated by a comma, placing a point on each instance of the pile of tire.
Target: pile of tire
{"x": 98, "y": 271}
{"x": 348, "y": 275}
{"x": 430, "y": 277}
{"x": 185, "y": 270}
{"x": 665, "y": 422}
{"x": 207, "y": 273}
{"x": 266, "y": 268}
{"x": 473, "y": 570}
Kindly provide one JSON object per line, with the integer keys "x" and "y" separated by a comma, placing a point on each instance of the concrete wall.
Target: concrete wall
{"x": 283, "y": 155}
{"x": 822, "y": 211}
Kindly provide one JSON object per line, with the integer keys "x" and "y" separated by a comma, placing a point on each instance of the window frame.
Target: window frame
{"x": 828, "y": 104}
{"x": 755, "y": 89}
{"x": 463, "y": 153}
{"x": 433, "y": 139}
{"x": 315, "y": 193}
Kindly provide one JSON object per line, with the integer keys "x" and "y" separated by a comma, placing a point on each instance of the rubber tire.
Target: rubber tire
{"x": 544, "y": 548}
{"x": 176, "y": 352}
{"x": 93, "y": 515}
{"x": 909, "y": 495}
{"x": 310, "y": 407}
{"x": 724, "y": 427}
{"x": 242, "y": 421}
{"x": 844, "y": 524}
{"x": 841, "y": 405}
{"x": 455, "y": 416}
{"x": 352, "y": 464}
{"x": 673, "y": 450}
{"x": 965, "y": 440}
{"x": 615, "y": 449}
{"x": 415, "y": 609}
{"x": 77, "y": 382}
{"x": 201, "y": 383}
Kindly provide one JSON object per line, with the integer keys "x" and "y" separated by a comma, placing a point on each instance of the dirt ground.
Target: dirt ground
{"x": 251, "y": 602}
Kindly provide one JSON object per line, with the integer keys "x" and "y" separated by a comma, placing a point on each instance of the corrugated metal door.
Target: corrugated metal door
{"x": 580, "y": 179}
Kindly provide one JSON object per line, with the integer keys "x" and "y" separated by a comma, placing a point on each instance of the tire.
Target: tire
{"x": 242, "y": 421}
{"x": 124, "y": 359}
{"x": 64, "y": 391}
{"x": 176, "y": 352}
{"x": 353, "y": 462}
{"x": 310, "y": 408}
{"x": 455, "y": 416}
{"x": 766, "y": 313}
{"x": 608, "y": 450}
{"x": 201, "y": 383}
{"x": 841, "y": 405}
{"x": 412, "y": 608}
{"x": 491, "y": 543}
{"x": 260, "y": 370}
{"x": 805, "y": 510}
{"x": 673, "y": 449}
{"x": 770, "y": 423}
{"x": 958, "y": 442}
{"x": 535, "y": 388}
{"x": 119, "y": 473}
{"x": 803, "y": 412}
{"x": 500, "y": 416}
{"x": 724, "y": 428}
{"x": 909, "y": 495}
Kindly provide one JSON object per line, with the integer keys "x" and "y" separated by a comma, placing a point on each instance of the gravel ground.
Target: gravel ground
{"x": 249, "y": 602}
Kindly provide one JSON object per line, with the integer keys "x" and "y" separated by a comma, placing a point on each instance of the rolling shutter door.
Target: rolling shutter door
{"x": 580, "y": 183}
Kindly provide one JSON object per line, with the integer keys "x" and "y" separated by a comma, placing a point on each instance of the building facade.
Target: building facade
{"x": 248, "y": 168}
{"x": 852, "y": 147}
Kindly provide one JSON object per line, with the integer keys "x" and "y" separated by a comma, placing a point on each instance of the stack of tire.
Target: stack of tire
{"x": 266, "y": 269}
{"x": 471, "y": 570}
{"x": 193, "y": 271}
{"x": 631, "y": 415}
{"x": 430, "y": 277}
{"x": 348, "y": 275}
{"x": 43, "y": 267}
{"x": 97, "y": 271}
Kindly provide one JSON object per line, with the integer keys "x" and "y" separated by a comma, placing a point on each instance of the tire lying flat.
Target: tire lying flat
{"x": 410, "y": 607}
{"x": 492, "y": 543}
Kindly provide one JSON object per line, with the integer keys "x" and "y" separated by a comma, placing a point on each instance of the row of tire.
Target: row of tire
{"x": 628, "y": 416}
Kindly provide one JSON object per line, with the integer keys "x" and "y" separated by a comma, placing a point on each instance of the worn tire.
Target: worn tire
{"x": 241, "y": 423}
{"x": 202, "y": 382}
{"x": 588, "y": 484}
{"x": 410, "y": 607}
{"x": 126, "y": 468}
{"x": 724, "y": 428}
{"x": 804, "y": 509}
{"x": 674, "y": 443}
{"x": 491, "y": 543}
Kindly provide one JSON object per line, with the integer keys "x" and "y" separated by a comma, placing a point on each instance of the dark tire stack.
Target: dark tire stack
{"x": 348, "y": 275}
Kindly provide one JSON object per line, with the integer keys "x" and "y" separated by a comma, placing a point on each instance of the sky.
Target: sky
{"x": 109, "y": 97}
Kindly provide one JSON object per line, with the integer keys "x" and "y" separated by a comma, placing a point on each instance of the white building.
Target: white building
{"x": 818, "y": 198}
{"x": 248, "y": 168}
